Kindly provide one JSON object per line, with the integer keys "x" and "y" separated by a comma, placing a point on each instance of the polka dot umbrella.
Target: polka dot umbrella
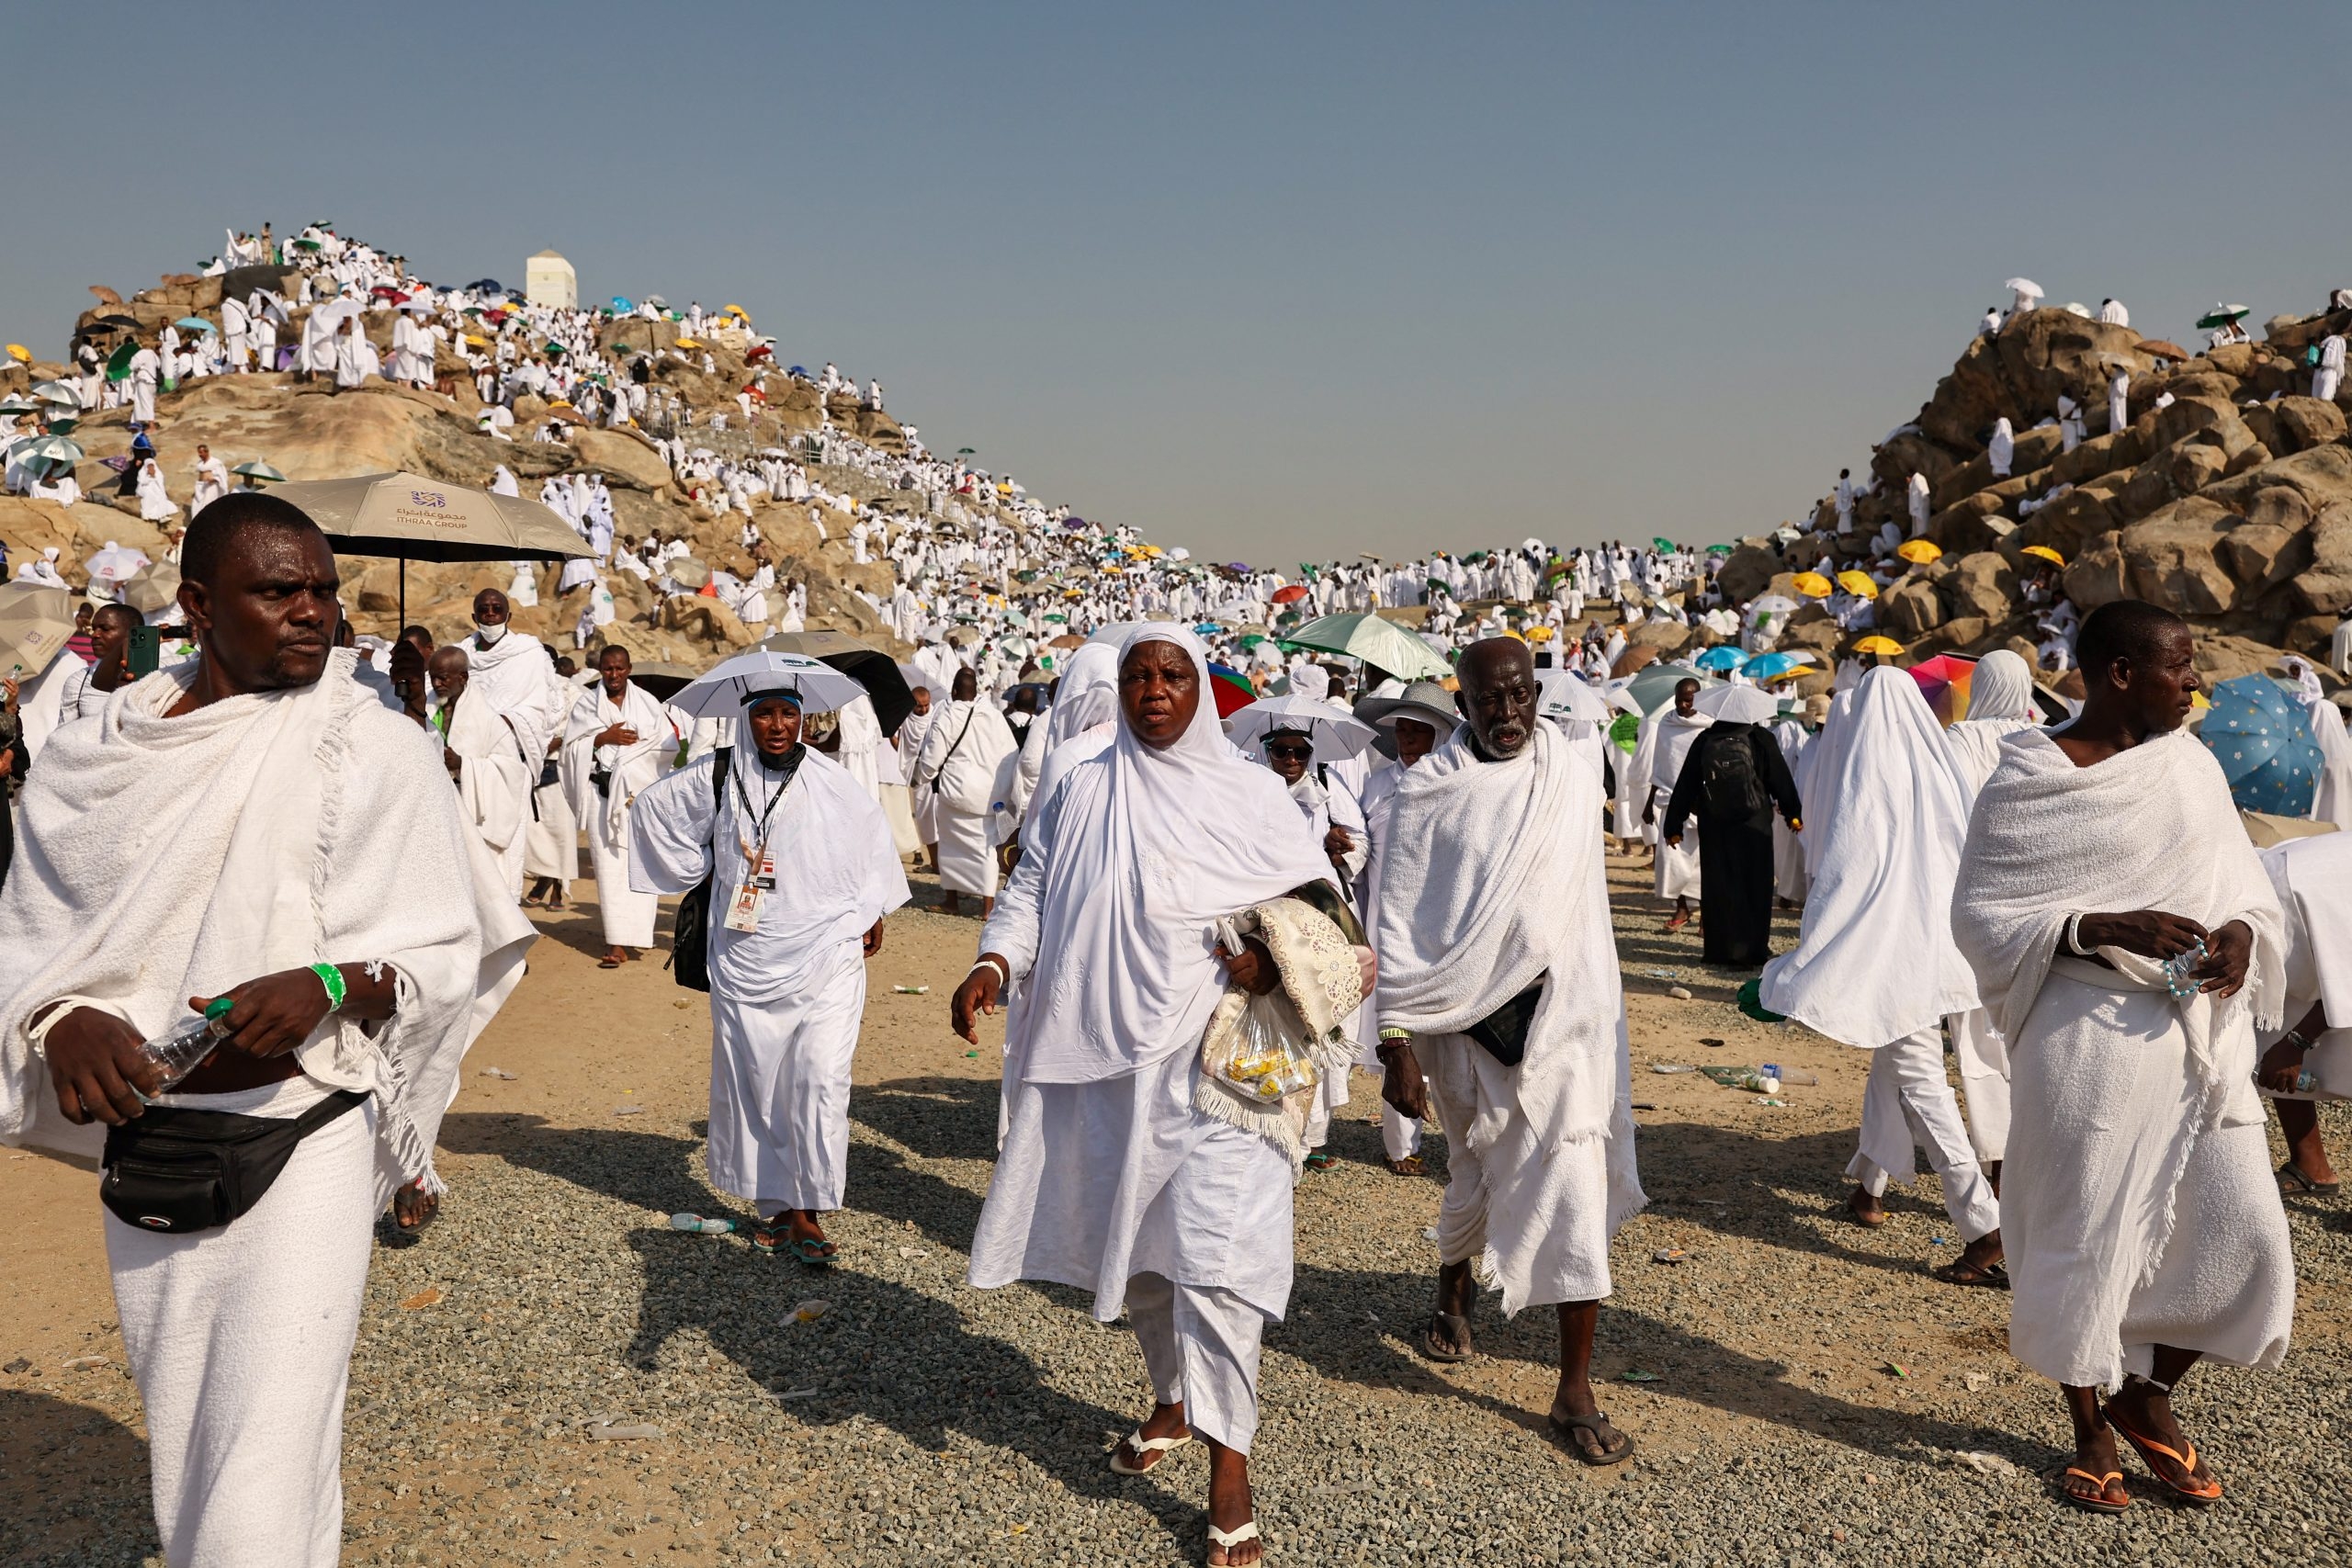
{"x": 2263, "y": 740}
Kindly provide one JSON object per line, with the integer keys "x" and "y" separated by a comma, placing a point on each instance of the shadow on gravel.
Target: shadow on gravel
{"x": 881, "y": 1352}
{"x": 73, "y": 1485}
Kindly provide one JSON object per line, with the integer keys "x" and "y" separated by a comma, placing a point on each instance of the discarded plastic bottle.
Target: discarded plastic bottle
{"x": 176, "y": 1054}
{"x": 1788, "y": 1075}
{"x": 719, "y": 1225}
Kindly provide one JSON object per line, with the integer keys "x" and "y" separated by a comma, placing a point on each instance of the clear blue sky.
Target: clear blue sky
{"x": 1278, "y": 280}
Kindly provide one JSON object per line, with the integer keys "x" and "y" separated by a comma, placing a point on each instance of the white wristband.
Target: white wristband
{"x": 990, "y": 960}
{"x": 2074, "y": 936}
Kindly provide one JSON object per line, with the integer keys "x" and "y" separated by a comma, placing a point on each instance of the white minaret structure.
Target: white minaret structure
{"x": 547, "y": 279}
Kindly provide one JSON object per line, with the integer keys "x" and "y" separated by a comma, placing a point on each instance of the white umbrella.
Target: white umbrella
{"x": 1567, "y": 695}
{"x": 2024, "y": 286}
{"x": 1737, "y": 705}
{"x": 1336, "y": 733}
{"x": 1773, "y": 602}
{"x": 720, "y": 693}
{"x": 116, "y": 563}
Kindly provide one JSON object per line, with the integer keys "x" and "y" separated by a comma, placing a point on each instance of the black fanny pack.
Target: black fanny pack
{"x": 1503, "y": 1032}
{"x": 179, "y": 1170}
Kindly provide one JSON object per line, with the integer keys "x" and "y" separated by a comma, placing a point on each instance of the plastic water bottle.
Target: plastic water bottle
{"x": 176, "y": 1054}
{"x": 1786, "y": 1076}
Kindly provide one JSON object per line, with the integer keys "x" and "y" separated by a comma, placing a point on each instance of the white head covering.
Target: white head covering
{"x": 1088, "y": 696}
{"x": 2001, "y": 687}
{"x": 1889, "y": 852}
{"x": 1145, "y": 848}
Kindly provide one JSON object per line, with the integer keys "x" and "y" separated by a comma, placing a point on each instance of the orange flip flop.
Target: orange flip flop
{"x": 2099, "y": 1505}
{"x": 2204, "y": 1495}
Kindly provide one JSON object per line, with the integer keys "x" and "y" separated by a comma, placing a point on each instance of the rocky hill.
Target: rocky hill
{"x": 309, "y": 430}
{"x": 2227, "y": 497}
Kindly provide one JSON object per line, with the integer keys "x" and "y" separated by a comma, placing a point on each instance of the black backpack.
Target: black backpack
{"x": 1729, "y": 785}
{"x": 690, "y": 931}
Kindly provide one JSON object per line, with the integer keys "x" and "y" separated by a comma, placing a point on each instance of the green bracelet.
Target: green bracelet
{"x": 332, "y": 978}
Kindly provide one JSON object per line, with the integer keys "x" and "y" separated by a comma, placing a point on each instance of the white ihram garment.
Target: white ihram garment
{"x": 2137, "y": 1204}
{"x": 551, "y": 842}
{"x": 1489, "y": 880}
{"x": 2313, "y": 880}
{"x": 962, "y": 753}
{"x": 494, "y": 785}
{"x": 180, "y": 856}
{"x": 1658, "y": 763}
{"x": 627, "y": 914}
{"x": 785, "y": 999}
{"x": 1111, "y": 1180}
{"x": 1890, "y": 849}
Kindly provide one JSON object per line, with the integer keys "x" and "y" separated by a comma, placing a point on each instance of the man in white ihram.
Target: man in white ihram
{"x": 957, "y": 771}
{"x": 1666, "y": 741}
{"x": 254, "y": 825}
{"x": 487, "y": 762}
{"x": 2129, "y": 944}
{"x": 616, "y": 743}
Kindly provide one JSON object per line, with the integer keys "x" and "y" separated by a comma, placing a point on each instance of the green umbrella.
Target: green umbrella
{"x": 1383, "y": 644}
{"x": 1719, "y": 550}
{"x": 1653, "y": 685}
{"x": 1669, "y": 545}
{"x": 257, "y": 470}
{"x": 306, "y": 244}
{"x": 2223, "y": 315}
{"x": 47, "y": 449}
{"x": 119, "y": 363}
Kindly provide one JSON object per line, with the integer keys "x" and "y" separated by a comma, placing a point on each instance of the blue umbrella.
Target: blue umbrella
{"x": 2263, "y": 740}
{"x": 1768, "y": 666}
{"x": 621, "y": 305}
{"x": 1208, "y": 628}
{"x": 1723, "y": 656}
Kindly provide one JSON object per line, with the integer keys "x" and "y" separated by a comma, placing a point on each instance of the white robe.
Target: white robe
{"x": 786, "y": 997}
{"x": 2137, "y": 1204}
{"x": 963, "y": 750}
{"x": 2313, "y": 880}
{"x": 494, "y": 782}
{"x": 627, "y": 914}
{"x": 1658, "y": 762}
{"x": 182, "y": 856}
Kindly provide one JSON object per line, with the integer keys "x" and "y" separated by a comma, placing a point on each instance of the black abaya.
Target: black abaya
{"x": 1736, "y": 879}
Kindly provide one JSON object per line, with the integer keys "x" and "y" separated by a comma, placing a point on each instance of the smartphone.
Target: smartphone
{"x": 144, "y": 652}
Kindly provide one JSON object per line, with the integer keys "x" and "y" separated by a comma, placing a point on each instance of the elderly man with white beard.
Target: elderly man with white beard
{"x": 1499, "y": 982}
{"x": 2129, "y": 944}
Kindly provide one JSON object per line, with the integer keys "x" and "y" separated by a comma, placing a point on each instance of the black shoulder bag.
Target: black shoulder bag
{"x": 1502, "y": 1034}
{"x": 690, "y": 933}
{"x": 952, "y": 747}
{"x": 178, "y": 1170}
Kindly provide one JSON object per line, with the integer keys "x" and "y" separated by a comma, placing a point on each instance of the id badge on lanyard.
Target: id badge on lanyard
{"x": 743, "y": 913}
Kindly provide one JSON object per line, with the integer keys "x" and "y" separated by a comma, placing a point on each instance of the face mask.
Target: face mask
{"x": 489, "y": 634}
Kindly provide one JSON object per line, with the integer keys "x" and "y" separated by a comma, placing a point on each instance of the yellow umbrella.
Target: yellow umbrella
{"x": 1918, "y": 551}
{"x": 2043, "y": 552}
{"x": 20, "y": 354}
{"x": 1539, "y": 634}
{"x": 735, "y": 311}
{"x": 1878, "y": 645}
{"x": 2196, "y": 700}
{"x": 477, "y": 341}
{"x": 689, "y": 343}
{"x": 1812, "y": 585}
{"x": 1858, "y": 583}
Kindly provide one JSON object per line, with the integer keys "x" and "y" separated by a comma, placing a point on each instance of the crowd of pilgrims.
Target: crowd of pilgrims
{"x": 1199, "y": 918}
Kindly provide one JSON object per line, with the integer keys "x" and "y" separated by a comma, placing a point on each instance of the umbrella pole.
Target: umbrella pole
{"x": 404, "y": 626}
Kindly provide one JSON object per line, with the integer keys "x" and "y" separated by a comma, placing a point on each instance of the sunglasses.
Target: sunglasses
{"x": 1302, "y": 752}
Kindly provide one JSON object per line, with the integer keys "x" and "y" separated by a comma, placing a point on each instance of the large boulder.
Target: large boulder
{"x": 1910, "y": 609}
{"x": 2171, "y": 558}
{"x": 2070, "y": 522}
{"x": 1983, "y": 585}
{"x": 2098, "y": 575}
{"x": 2305, "y": 422}
{"x": 2324, "y": 588}
{"x": 1748, "y": 572}
{"x": 1669, "y": 638}
{"x": 2020, "y": 372}
{"x": 624, "y": 459}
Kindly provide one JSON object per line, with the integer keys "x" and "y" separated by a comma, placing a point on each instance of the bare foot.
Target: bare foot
{"x": 2096, "y": 1455}
{"x": 413, "y": 1208}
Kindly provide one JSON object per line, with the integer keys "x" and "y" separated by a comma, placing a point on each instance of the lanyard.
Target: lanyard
{"x": 757, "y": 857}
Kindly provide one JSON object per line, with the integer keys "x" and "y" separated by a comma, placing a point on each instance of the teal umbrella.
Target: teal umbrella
{"x": 1381, "y": 643}
{"x": 194, "y": 324}
{"x": 2263, "y": 739}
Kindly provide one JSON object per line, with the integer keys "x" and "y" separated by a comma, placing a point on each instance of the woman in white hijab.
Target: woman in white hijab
{"x": 2000, "y": 703}
{"x": 1111, "y": 1178}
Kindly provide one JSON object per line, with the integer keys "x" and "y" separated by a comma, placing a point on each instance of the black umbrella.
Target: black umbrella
{"x": 487, "y": 286}
{"x": 869, "y": 667}
{"x": 113, "y": 323}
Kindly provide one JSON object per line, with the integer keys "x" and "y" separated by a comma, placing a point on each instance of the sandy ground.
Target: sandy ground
{"x": 1801, "y": 1387}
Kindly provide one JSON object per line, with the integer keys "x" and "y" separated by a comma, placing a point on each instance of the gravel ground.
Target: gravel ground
{"x": 916, "y": 1421}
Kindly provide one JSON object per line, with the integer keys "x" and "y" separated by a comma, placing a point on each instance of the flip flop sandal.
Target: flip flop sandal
{"x": 1320, "y": 1159}
{"x": 2293, "y": 1183}
{"x": 809, "y": 1249}
{"x": 1678, "y": 923}
{"x": 1871, "y": 1221}
{"x": 1409, "y": 1165}
{"x": 2099, "y": 1505}
{"x": 1145, "y": 1447}
{"x": 535, "y": 903}
{"x": 2195, "y": 1492}
{"x": 1565, "y": 1427}
{"x": 1457, "y": 1327}
{"x": 608, "y": 962}
{"x": 1231, "y": 1539}
{"x": 1960, "y": 1272}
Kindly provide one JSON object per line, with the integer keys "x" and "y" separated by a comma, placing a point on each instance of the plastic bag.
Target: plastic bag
{"x": 1269, "y": 1058}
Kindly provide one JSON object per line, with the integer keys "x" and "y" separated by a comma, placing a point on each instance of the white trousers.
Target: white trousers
{"x": 1200, "y": 1345}
{"x": 1400, "y": 1135}
{"x": 2323, "y": 384}
{"x": 627, "y": 914}
{"x": 1677, "y": 865}
{"x": 1983, "y": 1060}
{"x": 779, "y": 1090}
{"x": 241, "y": 1340}
{"x": 1330, "y": 1097}
{"x": 1908, "y": 1102}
